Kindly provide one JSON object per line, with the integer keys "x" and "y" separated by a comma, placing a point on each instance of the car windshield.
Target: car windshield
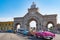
{"x": 40, "y": 31}
{"x": 20, "y": 29}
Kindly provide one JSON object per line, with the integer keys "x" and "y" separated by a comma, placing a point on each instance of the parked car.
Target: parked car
{"x": 31, "y": 33}
{"x": 20, "y": 31}
{"x": 10, "y": 31}
{"x": 45, "y": 34}
{"x": 25, "y": 32}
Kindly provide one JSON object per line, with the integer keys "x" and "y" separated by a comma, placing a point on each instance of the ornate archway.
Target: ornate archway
{"x": 32, "y": 25}
{"x": 28, "y": 23}
{"x": 17, "y": 26}
{"x": 41, "y": 20}
{"x": 50, "y": 26}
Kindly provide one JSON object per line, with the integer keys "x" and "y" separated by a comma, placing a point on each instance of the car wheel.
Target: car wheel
{"x": 36, "y": 36}
{"x": 51, "y": 38}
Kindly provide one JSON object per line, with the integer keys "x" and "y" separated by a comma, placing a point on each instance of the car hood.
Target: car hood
{"x": 48, "y": 33}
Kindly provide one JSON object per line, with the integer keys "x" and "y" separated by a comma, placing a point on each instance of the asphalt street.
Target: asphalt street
{"x": 12, "y": 36}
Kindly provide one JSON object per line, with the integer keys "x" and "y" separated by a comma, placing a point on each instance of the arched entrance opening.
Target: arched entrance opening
{"x": 17, "y": 26}
{"x": 32, "y": 25}
{"x": 50, "y": 26}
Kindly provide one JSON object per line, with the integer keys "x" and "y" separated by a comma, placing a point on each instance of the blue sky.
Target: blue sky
{"x": 18, "y": 8}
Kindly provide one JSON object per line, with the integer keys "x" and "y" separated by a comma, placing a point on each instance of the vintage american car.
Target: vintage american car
{"x": 20, "y": 30}
{"x": 31, "y": 33}
{"x": 9, "y": 31}
{"x": 45, "y": 35}
{"x": 25, "y": 32}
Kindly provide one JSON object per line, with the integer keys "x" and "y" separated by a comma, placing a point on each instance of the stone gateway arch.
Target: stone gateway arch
{"x": 33, "y": 14}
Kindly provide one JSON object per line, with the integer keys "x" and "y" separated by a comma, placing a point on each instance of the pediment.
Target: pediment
{"x": 33, "y": 14}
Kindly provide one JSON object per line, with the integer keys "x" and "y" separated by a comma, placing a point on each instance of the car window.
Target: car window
{"x": 40, "y": 31}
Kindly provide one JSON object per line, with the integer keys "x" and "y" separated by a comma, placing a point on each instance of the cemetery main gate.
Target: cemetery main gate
{"x": 33, "y": 14}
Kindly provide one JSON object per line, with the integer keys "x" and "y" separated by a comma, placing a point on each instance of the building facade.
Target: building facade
{"x": 33, "y": 14}
{"x": 42, "y": 21}
{"x": 4, "y": 26}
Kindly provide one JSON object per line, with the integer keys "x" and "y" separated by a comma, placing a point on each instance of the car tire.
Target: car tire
{"x": 47, "y": 39}
{"x": 36, "y": 36}
{"x": 51, "y": 38}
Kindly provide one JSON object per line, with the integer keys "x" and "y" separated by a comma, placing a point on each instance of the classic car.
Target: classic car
{"x": 20, "y": 30}
{"x": 25, "y": 32}
{"x": 10, "y": 31}
{"x": 45, "y": 35}
{"x": 31, "y": 33}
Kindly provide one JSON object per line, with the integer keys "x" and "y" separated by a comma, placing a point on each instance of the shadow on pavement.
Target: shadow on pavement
{"x": 34, "y": 38}
{"x": 30, "y": 37}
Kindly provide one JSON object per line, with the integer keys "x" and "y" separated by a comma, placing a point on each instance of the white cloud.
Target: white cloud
{"x": 6, "y": 19}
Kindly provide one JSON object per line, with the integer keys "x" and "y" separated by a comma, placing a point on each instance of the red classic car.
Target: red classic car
{"x": 31, "y": 33}
{"x": 45, "y": 34}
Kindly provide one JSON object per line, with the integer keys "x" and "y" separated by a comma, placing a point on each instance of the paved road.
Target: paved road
{"x": 57, "y": 37}
{"x": 11, "y": 36}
